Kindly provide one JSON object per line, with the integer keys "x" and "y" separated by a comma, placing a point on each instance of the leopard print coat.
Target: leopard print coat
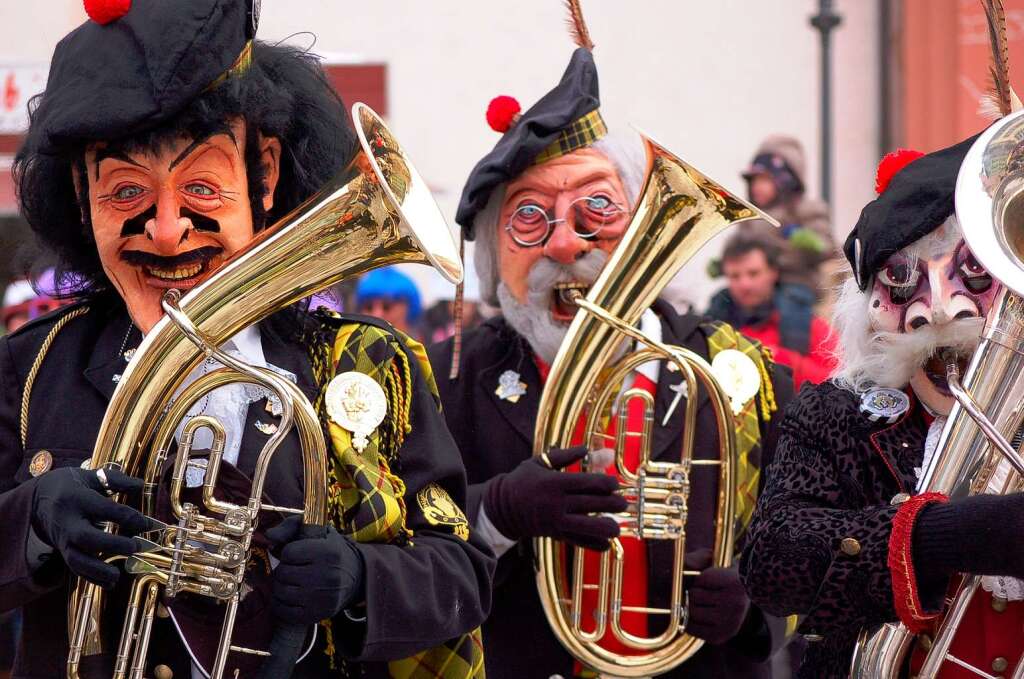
{"x": 818, "y": 544}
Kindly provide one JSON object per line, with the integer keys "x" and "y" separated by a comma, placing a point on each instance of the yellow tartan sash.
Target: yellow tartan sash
{"x": 721, "y": 336}
{"x": 365, "y": 499}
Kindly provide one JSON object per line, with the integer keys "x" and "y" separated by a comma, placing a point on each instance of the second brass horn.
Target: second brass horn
{"x": 679, "y": 210}
{"x": 375, "y": 212}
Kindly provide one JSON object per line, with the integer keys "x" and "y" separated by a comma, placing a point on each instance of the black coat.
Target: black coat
{"x": 68, "y": 401}
{"x": 496, "y": 435}
{"x": 833, "y": 478}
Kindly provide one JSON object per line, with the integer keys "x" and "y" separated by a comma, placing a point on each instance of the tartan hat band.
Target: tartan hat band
{"x": 583, "y": 132}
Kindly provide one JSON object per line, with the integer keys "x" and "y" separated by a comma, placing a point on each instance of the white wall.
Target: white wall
{"x": 707, "y": 79}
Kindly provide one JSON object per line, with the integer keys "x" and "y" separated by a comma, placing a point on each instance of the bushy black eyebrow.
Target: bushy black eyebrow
{"x": 114, "y": 153}
{"x": 222, "y": 128}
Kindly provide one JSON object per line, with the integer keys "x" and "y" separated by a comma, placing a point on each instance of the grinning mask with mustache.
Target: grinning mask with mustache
{"x": 929, "y": 295}
{"x": 168, "y": 217}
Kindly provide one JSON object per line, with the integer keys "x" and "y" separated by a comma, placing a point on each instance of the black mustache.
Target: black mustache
{"x": 200, "y": 222}
{"x": 136, "y": 226}
{"x": 140, "y": 258}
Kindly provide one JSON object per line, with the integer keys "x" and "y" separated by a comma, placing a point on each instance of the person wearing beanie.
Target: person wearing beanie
{"x": 167, "y": 139}
{"x": 389, "y": 295}
{"x": 776, "y": 184}
{"x": 842, "y": 534}
{"x": 755, "y": 302}
{"x": 546, "y": 207}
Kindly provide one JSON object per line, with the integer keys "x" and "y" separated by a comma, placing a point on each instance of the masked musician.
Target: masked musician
{"x": 839, "y": 536}
{"x": 167, "y": 138}
{"x": 546, "y": 207}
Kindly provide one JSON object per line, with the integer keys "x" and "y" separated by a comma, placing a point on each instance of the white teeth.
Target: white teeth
{"x": 175, "y": 274}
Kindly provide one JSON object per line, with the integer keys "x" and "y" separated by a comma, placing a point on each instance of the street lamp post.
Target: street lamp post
{"x": 825, "y": 21}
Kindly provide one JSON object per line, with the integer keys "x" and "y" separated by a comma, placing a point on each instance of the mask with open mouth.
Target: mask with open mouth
{"x": 930, "y": 296}
{"x": 544, "y": 318}
{"x": 168, "y": 217}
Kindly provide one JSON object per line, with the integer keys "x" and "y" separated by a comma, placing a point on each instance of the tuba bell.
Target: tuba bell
{"x": 989, "y": 200}
{"x": 375, "y": 212}
{"x": 679, "y": 211}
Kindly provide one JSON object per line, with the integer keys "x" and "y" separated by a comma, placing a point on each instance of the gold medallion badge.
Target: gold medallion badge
{"x": 40, "y": 463}
{"x": 440, "y": 510}
{"x": 738, "y": 375}
{"x": 356, "y": 403}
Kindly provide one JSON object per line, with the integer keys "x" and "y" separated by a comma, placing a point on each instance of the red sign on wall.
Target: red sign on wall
{"x": 18, "y": 84}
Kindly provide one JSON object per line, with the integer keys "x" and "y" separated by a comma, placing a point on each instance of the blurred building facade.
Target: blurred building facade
{"x": 707, "y": 80}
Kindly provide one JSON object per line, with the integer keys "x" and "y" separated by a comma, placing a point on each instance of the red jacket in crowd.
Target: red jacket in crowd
{"x": 815, "y": 366}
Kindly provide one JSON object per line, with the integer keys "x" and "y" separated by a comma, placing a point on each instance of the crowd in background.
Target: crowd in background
{"x": 776, "y": 288}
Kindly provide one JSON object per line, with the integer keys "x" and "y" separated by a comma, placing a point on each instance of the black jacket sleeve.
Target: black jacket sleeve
{"x": 437, "y": 587}
{"x": 19, "y": 584}
{"x": 792, "y": 562}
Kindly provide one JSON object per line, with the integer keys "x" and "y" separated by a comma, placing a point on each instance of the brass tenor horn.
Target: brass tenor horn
{"x": 989, "y": 201}
{"x": 679, "y": 210}
{"x": 377, "y": 211}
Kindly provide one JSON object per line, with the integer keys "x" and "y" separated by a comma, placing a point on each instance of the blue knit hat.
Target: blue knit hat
{"x": 391, "y": 284}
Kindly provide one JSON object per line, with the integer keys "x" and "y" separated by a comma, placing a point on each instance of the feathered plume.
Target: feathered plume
{"x": 1001, "y": 100}
{"x": 577, "y": 26}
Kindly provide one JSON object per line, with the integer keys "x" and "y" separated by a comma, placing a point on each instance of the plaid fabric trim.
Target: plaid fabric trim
{"x": 583, "y": 132}
{"x": 461, "y": 658}
{"x": 420, "y": 352}
{"x": 722, "y": 336}
{"x": 365, "y": 499}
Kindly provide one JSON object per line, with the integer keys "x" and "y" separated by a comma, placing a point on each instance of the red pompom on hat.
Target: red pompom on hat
{"x": 891, "y": 164}
{"x": 105, "y": 11}
{"x": 502, "y": 113}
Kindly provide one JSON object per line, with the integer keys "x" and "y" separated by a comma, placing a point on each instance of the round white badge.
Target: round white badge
{"x": 356, "y": 403}
{"x": 738, "y": 375}
{"x": 883, "y": 404}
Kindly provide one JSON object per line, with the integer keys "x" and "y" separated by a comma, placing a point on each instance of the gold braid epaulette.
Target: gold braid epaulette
{"x": 768, "y": 404}
{"x": 26, "y": 395}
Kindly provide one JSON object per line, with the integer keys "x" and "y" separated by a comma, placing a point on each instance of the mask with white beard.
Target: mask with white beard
{"x": 929, "y": 296}
{"x": 532, "y": 318}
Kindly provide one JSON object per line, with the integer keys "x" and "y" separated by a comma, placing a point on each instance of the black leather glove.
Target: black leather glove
{"x": 321, "y": 572}
{"x": 67, "y": 505}
{"x": 533, "y": 500}
{"x": 980, "y": 534}
{"x": 718, "y": 602}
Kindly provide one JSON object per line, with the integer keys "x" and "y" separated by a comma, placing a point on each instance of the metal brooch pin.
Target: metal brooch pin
{"x": 884, "y": 404}
{"x": 510, "y": 386}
